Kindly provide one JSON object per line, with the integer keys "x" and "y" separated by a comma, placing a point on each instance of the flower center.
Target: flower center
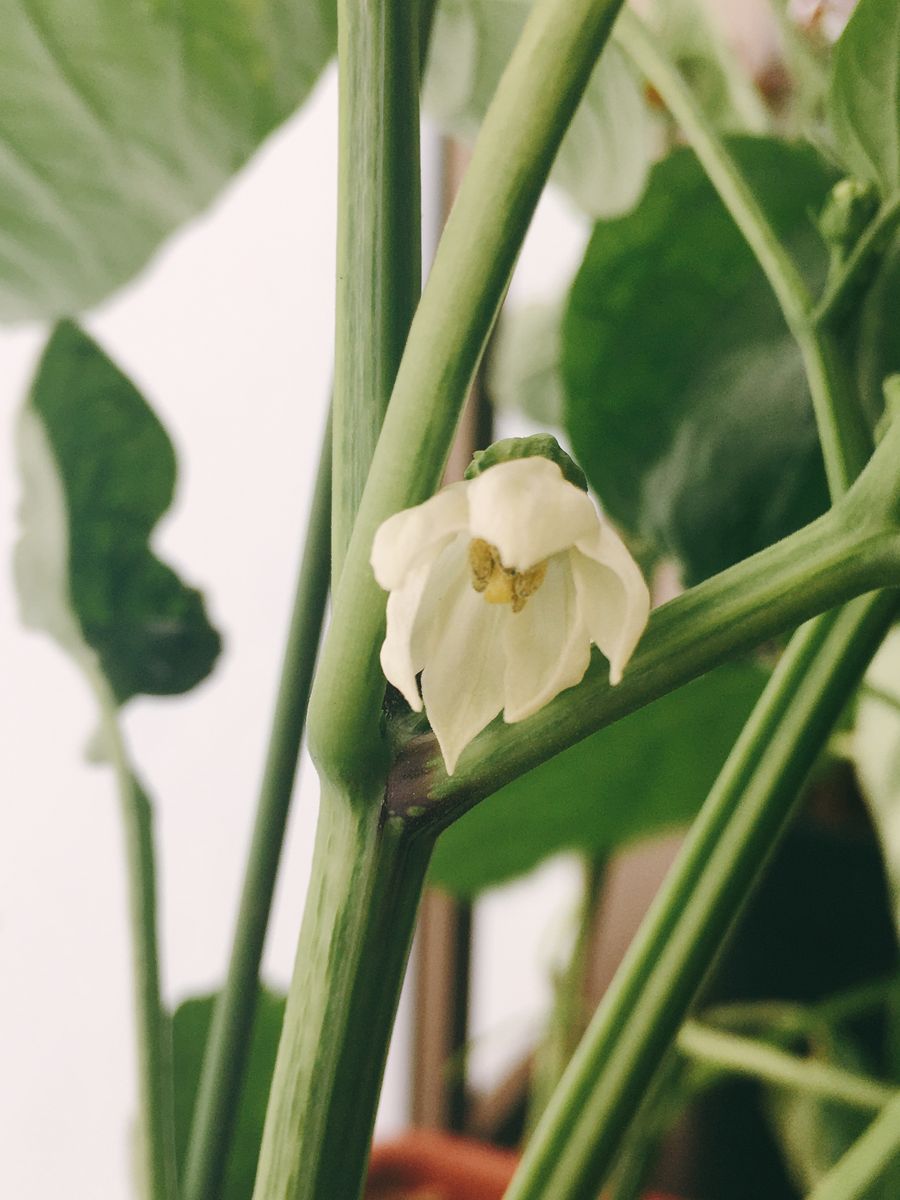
{"x": 499, "y": 584}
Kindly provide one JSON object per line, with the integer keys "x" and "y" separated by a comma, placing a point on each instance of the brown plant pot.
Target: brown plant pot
{"x": 425, "y": 1165}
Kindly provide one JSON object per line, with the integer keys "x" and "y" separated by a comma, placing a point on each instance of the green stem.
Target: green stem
{"x": 758, "y": 1060}
{"x": 379, "y": 255}
{"x": 225, "y": 1058}
{"x": 866, "y": 1161}
{"x": 843, "y": 287}
{"x": 830, "y": 561}
{"x": 844, "y": 434}
{"x": 535, "y": 100}
{"x": 368, "y": 873}
{"x": 569, "y": 1015}
{"x": 155, "y": 1158}
{"x": 576, "y": 1142}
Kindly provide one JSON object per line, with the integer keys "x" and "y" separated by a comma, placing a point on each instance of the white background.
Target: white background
{"x": 228, "y": 334}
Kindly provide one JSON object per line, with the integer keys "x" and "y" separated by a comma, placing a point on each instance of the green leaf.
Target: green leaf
{"x": 864, "y": 97}
{"x": 686, "y": 401}
{"x": 190, "y": 1029}
{"x": 98, "y": 473}
{"x": 120, "y": 122}
{"x": 604, "y": 159}
{"x": 647, "y": 773}
{"x": 876, "y": 749}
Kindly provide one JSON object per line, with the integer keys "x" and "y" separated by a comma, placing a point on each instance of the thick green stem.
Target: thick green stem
{"x": 225, "y": 1058}
{"x": 575, "y": 1144}
{"x": 155, "y": 1157}
{"x": 379, "y": 255}
{"x": 758, "y": 1060}
{"x": 519, "y": 138}
{"x": 368, "y": 873}
{"x": 844, "y": 434}
{"x": 866, "y": 1161}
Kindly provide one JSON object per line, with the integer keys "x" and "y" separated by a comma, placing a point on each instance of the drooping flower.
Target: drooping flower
{"x": 498, "y": 587}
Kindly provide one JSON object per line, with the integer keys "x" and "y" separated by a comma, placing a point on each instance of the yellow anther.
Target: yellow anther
{"x": 499, "y": 584}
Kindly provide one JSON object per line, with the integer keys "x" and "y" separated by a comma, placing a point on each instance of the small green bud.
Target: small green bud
{"x": 539, "y": 445}
{"x": 850, "y": 206}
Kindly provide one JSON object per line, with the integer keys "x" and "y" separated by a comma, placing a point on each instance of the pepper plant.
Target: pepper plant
{"x": 724, "y": 369}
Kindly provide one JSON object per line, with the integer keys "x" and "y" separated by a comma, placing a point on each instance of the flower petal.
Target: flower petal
{"x": 548, "y": 647}
{"x": 462, "y": 683}
{"x": 529, "y": 511}
{"x": 397, "y": 660}
{"x": 405, "y": 539}
{"x": 612, "y": 596}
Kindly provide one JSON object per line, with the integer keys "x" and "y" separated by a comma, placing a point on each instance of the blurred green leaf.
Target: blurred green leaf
{"x": 686, "y": 400}
{"x": 648, "y": 773}
{"x": 524, "y": 369}
{"x": 119, "y": 121}
{"x": 864, "y": 98}
{"x": 190, "y": 1029}
{"x": 98, "y": 472}
{"x": 876, "y": 748}
{"x": 604, "y": 159}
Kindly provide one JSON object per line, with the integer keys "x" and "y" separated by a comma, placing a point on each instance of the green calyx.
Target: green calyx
{"x": 539, "y": 445}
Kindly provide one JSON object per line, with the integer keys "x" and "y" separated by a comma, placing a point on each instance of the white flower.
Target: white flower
{"x": 498, "y": 586}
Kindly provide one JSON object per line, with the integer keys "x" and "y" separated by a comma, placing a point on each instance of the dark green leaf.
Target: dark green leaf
{"x": 685, "y": 396}
{"x": 190, "y": 1028}
{"x": 99, "y": 472}
{"x": 118, "y": 121}
{"x": 647, "y": 773}
{"x": 604, "y": 158}
{"x": 864, "y": 98}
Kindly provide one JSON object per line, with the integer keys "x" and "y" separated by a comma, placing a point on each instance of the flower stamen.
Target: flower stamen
{"x": 499, "y": 584}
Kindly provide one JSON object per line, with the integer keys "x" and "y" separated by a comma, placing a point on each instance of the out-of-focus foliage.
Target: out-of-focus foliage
{"x": 876, "y": 743}
{"x": 98, "y": 472}
{"x": 686, "y": 400}
{"x": 604, "y": 159}
{"x": 864, "y": 98}
{"x": 119, "y": 121}
{"x": 190, "y": 1030}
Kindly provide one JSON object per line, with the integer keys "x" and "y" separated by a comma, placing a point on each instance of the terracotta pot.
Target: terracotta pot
{"x": 424, "y": 1165}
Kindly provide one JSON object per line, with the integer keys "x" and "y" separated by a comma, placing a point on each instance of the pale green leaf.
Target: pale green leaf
{"x": 120, "y": 119}
{"x": 604, "y": 159}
